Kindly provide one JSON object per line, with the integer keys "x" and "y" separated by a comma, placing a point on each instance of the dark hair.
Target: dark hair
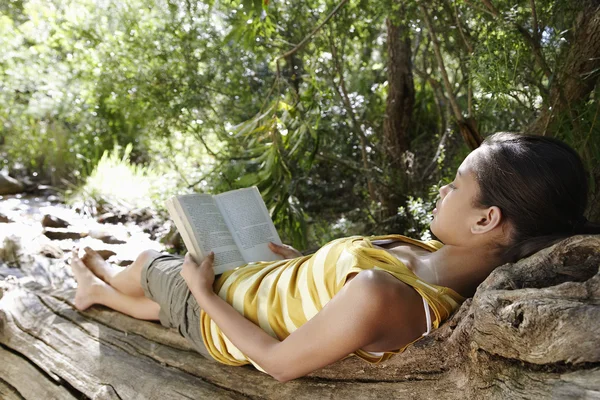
{"x": 540, "y": 185}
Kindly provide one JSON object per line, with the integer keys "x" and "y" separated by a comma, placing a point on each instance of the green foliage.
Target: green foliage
{"x": 192, "y": 92}
{"x": 418, "y": 211}
{"x": 275, "y": 150}
{"x": 115, "y": 181}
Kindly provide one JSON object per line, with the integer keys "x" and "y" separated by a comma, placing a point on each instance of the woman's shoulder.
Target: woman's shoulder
{"x": 407, "y": 320}
{"x": 382, "y": 284}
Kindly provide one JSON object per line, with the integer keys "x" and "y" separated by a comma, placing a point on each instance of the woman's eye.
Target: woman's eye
{"x": 451, "y": 186}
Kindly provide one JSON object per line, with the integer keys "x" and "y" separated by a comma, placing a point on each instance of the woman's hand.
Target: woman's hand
{"x": 199, "y": 278}
{"x": 284, "y": 250}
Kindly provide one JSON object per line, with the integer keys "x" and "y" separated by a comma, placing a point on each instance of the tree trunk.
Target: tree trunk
{"x": 530, "y": 332}
{"x": 399, "y": 111}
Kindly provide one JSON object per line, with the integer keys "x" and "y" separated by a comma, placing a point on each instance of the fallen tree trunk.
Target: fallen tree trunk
{"x": 530, "y": 331}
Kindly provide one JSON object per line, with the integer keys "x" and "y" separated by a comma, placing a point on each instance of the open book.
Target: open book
{"x": 236, "y": 225}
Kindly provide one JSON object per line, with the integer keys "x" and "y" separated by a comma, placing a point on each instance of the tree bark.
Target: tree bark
{"x": 531, "y": 331}
{"x": 399, "y": 112}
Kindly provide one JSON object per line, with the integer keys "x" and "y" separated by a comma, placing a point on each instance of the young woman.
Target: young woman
{"x": 369, "y": 296}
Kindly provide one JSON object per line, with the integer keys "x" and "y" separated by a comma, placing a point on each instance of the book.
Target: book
{"x": 236, "y": 225}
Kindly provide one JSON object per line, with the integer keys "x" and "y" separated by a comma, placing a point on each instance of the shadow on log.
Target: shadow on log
{"x": 530, "y": 331}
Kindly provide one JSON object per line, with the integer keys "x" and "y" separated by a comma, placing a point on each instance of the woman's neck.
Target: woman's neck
{"x": 459, "y": 268}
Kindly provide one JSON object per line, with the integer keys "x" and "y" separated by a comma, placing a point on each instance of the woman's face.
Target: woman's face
{"x": 454, "y": 215}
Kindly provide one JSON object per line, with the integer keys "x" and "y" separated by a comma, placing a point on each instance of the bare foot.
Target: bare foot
{"x": 98, "y": 265}
{"x": 88, "y": 284}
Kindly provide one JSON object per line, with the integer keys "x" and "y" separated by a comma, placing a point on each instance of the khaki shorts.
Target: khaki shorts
{"x": 163, "y": 284}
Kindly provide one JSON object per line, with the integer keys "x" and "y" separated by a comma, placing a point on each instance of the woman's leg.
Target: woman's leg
{"x": 125, "y": 280}
{"x": 170, "y": 300}
{"x": 92, "y": 290}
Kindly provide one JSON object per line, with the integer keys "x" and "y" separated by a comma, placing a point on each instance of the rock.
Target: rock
{"x": 4, "y": 219}
{"x": 142, "y": 215}
{"x": 51, "y": 221}
{"x": 155, "y": 230}
{"x": 111, "y": 218}
{"x": 51, "y": 250}
{"x": 11, "y": 249}
{"x": 65, "y": 245}
{"x": 62, "y": 233}
{"x": 18, "y": 244}
{"x": 137, "y": 216}
{"x": 105, "y": 237}
{"x": 175, "y": 240}
{"x": 10, "y": 185}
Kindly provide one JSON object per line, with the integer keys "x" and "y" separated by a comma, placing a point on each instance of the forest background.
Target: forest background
{"x": 347, "y": 115}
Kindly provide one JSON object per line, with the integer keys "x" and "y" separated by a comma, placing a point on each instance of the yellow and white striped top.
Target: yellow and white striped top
{"x": 280, "y": 296}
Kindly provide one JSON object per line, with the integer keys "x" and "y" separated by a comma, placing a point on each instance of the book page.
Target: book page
{"x": 247, "y": 217}
{"x": 184, "y": 228}
{"x": 210, "y": 231}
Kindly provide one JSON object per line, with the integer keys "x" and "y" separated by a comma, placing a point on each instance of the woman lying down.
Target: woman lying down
{"x": 369, "y": 296}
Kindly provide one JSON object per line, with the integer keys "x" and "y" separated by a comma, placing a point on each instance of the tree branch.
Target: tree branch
{"x": 462, "y": 31}
{"x": 435, "y": 84}
{"x": 314, "y": 31}
{"x": 491, "y": 7}
{"x": 444, "y": 132}
{"x": 532, "y": 41}
{"x": 352, "y": 166}
{"x": 464, "y": 34}
{"x": 345, "y": 163}
{"x": 536, "y": 28}
{"x": 467, "y": 126}
{"x": 440, "y": 61}
{"x": 430, "y": 168}
{"x": 201, "y": 139}
{"x": 537, "y": 50}
{"x": 206, "y": 175}
{"x": 485, "y": 10}
{"x": 343, "y": 93}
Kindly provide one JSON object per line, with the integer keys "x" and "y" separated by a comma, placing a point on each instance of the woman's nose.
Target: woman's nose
{"x": 443, "y": 191}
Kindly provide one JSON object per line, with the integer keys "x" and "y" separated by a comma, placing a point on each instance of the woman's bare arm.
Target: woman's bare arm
{"x": 359, "y": 315}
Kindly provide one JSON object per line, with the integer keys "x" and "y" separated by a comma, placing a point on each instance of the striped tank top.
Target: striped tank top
{"x": 280, "y": 296}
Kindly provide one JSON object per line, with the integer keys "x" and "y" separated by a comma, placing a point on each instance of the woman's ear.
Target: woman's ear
{"x": 489, "y": 218}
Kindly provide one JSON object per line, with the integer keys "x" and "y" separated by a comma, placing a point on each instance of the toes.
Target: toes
{"x": 76, "y": 261}
{"x": 74, "y": 254}
{"x": 91, "y": 252}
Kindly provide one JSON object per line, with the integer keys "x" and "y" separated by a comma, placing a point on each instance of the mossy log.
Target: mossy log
{"x": 531, "y": 331}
